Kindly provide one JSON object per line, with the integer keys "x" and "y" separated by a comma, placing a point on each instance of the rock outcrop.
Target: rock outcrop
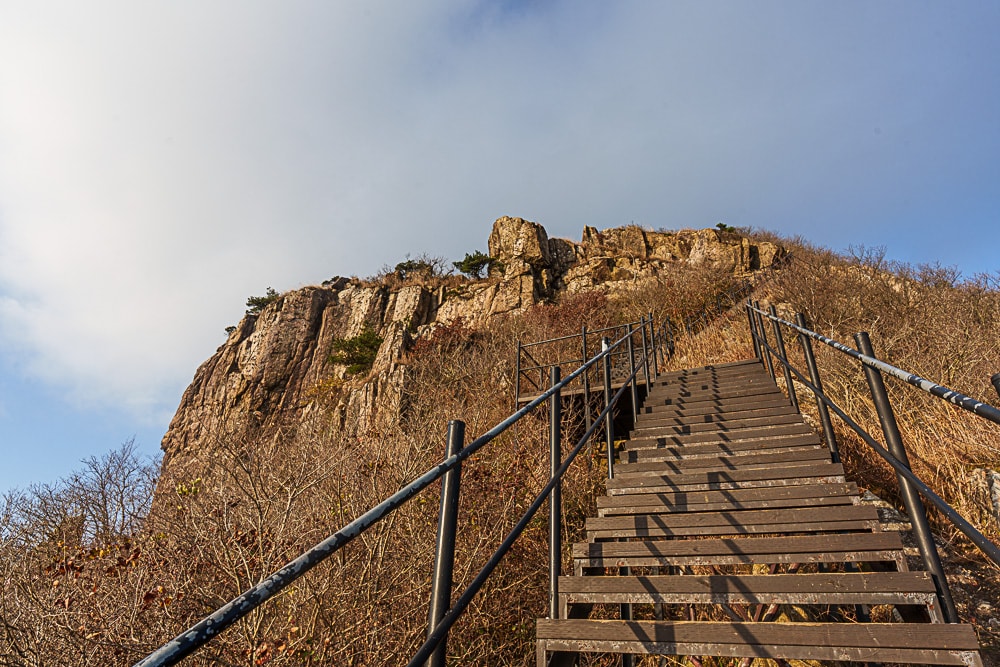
{"x": 276, "y": 366}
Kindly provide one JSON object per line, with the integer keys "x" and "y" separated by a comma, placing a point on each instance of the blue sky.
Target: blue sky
{"x": 160, "y": 162}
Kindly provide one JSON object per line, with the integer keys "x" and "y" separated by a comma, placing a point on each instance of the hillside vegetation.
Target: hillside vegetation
{"x": 89, "y": 581}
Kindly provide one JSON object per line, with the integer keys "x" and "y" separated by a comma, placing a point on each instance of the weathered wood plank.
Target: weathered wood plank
{"x": 645, "y": 427}
{"x": 714, "y": 449}
{"x": 874, "y": 635}
{"x": 757, "y": 433}
{"x": 735, "y": 522}
{"x": 664, "y": 419}
{"x": 741, "y": 546}
{"x": 712, "y": 407}
{"x": 745, "y": 461}
{"x": 679, "y": 501}
{"x": 787, "y": 475}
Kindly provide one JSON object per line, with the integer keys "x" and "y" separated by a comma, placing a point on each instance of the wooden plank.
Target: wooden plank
{"x": 875, "y": 635}
{"x": 735, "y": 386}
{"x": 741, "y": 394}
{"x": 716, "y": 417}
{"x": 744, "y": 460}
{"x": 826, "y": 583}
{"x": 945, "y": 644}
{"x": 712, "y": 450}
{"x": 844, "y": 548}
{"x": 719, "y": 486}
{"x": 705, "y": 382}
{"x": 679, "y": 501}
{"x": 654, "y": 503}
{"x": 647, "y": 442}
{"x": 713, "y": 407}
{"x": 745, "y": 528}
{"x": 645, "y": 427}
{"x": 642, "y": 523}
{"x": 727, "y": 367}
{"x": 786, "y": 474}
{"x": 903, "y": 588}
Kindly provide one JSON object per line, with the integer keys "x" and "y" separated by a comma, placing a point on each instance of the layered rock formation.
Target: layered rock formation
{"x": 276, "y": 366}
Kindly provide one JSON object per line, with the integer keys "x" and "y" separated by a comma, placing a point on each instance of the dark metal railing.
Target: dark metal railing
{"x": 530, "y": 373}
{"x": 656, "y": 341}
{"x": 894, "y": 453}
{"x": 442, "y": 614}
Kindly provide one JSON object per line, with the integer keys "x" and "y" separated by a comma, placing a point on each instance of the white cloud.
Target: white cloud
{"x": 161, "y": 162}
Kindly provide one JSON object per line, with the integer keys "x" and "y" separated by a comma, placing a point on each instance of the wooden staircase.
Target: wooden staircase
{"x": 725, "y": 515}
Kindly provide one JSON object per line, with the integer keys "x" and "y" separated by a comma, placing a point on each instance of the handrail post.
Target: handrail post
{"x": 670, "y": 339}
{"x": 652, "y": 346}
{"x": 763, "y": 339}
{"x": 444, "y": 556}
{"x": 517, "y": 375}
{"x": 783, "y": 357}
{"x": 824, "y": 413}
{"x": 645, "y": 357}
{"x": 911, "y": 499}
{"x": 753, "y": 333}
{"x": 634, "y": 390}
{"x": 609, "y": 427}
{"x": 996, "y": 382}
{"x": 586, "y": 379}
{"x": 555, "y": 497}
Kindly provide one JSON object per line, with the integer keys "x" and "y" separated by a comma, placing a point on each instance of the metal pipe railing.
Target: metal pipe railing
{"x": 464, "y": 600}
{"x": 989, "y": 549}
{"x": 984, "y": 410}
{"x": 911, "y": 499}
{"x": 444, "y": 553}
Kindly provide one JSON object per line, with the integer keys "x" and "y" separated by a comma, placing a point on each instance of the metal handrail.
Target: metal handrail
{"x": 984, "y": 410}
{"x": 188, "y": 641}
{"x": 658, "y": 335}
{"x": 465, "y": 599}
{"x": 910, "y": 484}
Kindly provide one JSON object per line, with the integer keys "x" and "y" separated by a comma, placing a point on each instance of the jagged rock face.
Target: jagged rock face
{"x": 273, "y": 363}
{"x": 544, "y": 266}
{"x": 275, "y": 367}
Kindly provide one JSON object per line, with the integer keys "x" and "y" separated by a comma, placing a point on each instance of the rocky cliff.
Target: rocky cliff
{"x": 276, "y": 366}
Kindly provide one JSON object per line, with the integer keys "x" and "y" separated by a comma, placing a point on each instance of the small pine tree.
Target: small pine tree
{"x": 474, "y": 263}
{"x": 358, "y": 352}
{"x": 258, "y": 303}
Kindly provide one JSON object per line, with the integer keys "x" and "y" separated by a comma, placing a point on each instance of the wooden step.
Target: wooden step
{"x": 715, "y": 449}
{"x": 722, "y": 396}
{"x": 825, "y": 588}
{"x": 741, "y": 461}
{"x": 756, "y": 433}
{"x": 646, "y": 419}
{"x": 847, "y": 548}
{"x": 938, "y": 643}
{"x": 707, "y": 501}
{"x": 807, "y": 473}
{"x": 734, "y": 387}
{"x": 711, "y": 370}
{"x": 825, "y": 519}
{"x": 712, "y": 407}
{"x": 647, "y": 427}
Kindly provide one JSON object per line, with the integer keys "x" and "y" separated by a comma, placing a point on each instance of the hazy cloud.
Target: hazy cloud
{"x": 161, "y": 162}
